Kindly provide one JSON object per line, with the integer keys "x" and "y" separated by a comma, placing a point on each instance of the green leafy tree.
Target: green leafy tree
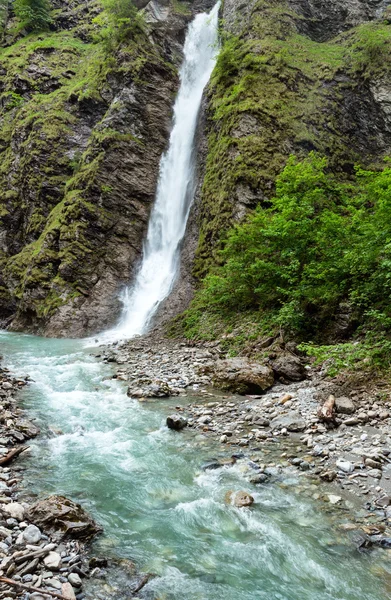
{"x": 34, "y": 14}
{"x": 321, "y": 243}
{"x": 120, "y": 21}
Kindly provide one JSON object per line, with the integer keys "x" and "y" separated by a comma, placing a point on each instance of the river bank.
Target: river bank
{"x": 45, "y": 542}
{"x": 347, "y": 460}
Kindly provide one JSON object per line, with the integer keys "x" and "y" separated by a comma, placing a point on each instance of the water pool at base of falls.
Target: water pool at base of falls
{"x": 144, "y": 484}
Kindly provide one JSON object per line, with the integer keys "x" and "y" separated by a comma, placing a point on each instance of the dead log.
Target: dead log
{"x": 326, "y": 411}
{"x": 11, "y": 455}
{"x": 31, "y": 588}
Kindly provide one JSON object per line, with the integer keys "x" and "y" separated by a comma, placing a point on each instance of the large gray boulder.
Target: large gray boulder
{"x": 293, "y": 421}
{"x": 289, "y": 367}
{"x": 62, "y": 518}
{"x": 176, "y": 422}
{"x": 241, "y": 376}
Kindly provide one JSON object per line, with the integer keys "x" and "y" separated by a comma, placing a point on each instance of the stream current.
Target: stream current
{"x": 143, "y": 483}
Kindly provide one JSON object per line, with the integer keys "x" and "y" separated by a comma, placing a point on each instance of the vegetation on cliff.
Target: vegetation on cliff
{"x": 321, "y": 248}
{"x": 297, "y": 135}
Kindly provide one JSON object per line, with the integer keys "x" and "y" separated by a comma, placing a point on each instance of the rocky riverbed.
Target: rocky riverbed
{"x": 274, "y": 426}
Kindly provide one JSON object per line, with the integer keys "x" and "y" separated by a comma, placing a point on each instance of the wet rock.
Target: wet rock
{"x": 293, "y": 421}
{"x": 63, "y": 517}
{"x": 328, "y": 476}
{"x": 383, "y": 502}
{"x": 289, "y": 367}
{"x": 176, "y": 422}
{"x": 333, "y": 499}
{"x": 211, "y": 466}
{"x": 344, "y": 406}
{"x": 240, "y": 375}
{"x": 260, "y": 478}
{"x": 239, "y": 499}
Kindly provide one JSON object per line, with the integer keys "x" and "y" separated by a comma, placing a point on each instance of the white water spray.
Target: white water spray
{"x": 160, "y": 262}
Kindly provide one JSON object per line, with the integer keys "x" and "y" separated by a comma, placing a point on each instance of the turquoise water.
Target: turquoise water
{"x": 144, "y": 484}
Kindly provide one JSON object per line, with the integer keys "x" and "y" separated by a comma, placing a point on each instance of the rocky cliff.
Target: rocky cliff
{"x": 82, "y": 129}
{"x": 293, "y": 76}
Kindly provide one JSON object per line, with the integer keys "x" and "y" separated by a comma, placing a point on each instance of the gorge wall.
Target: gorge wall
{"x": 82, "y": 130}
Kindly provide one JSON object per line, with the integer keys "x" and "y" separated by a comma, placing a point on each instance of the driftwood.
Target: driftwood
{"x": 31, "y": 588}
{"x": 142, "y": 583}
{"x": 11, "y": 455}
{"x": 326, "y": 411}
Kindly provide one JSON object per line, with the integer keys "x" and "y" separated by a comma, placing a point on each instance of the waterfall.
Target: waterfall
{"x": 160, "y": 262}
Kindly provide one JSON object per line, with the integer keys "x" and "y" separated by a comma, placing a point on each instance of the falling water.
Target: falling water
{"x": 160, "y": 262}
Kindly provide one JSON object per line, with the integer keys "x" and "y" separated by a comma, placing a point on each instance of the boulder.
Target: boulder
{"x": 289, "y": 367}
{"x": 176, "y": 422}
{"x": 154, "y": 389}
{"x": 241, "y": 376}
{"x": 32, "y": 535}
{"x": 293, "y": 421}
{"x": 15, "y": 510}
{"x": 239, "y": 499}
{"x": 344, "y": 406}
{"x": 63, "y": 518}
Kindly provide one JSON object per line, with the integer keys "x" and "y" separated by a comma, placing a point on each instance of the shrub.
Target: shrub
{"x": 322, "y": 242}
{"x": 33, "y": 14}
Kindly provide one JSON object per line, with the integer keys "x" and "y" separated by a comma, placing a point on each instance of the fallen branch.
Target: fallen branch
{"x": 326, "y": 411}
{"x": 142, "y": 583}
{"x": 11, "y": 455}
{"x": 31, "y": 588}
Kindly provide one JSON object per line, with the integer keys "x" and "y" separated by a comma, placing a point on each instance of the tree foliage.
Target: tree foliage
{"x": 34, "y": 14}
{"x": 120, "y": 22}
{"x": 320, "y": 243}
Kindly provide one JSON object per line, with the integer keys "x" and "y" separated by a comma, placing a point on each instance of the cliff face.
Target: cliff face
{"x": 82, "y": 129}
{"x": 293, "y": 76}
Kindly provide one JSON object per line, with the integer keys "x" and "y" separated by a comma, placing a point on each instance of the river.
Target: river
{"x": 145, "y": 485}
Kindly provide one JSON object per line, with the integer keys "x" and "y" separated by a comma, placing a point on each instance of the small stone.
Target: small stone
{"x": 32, "y": 535}
{"x": 328, "y": 476}
{"x": 260, "y": 478}
{"x": 52, "y": 560}
{"x": 53, "y": 583}
{"x": 74, "y": 580}
{"x": 223, "y": 439}
{"x": 67, "y": 591}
